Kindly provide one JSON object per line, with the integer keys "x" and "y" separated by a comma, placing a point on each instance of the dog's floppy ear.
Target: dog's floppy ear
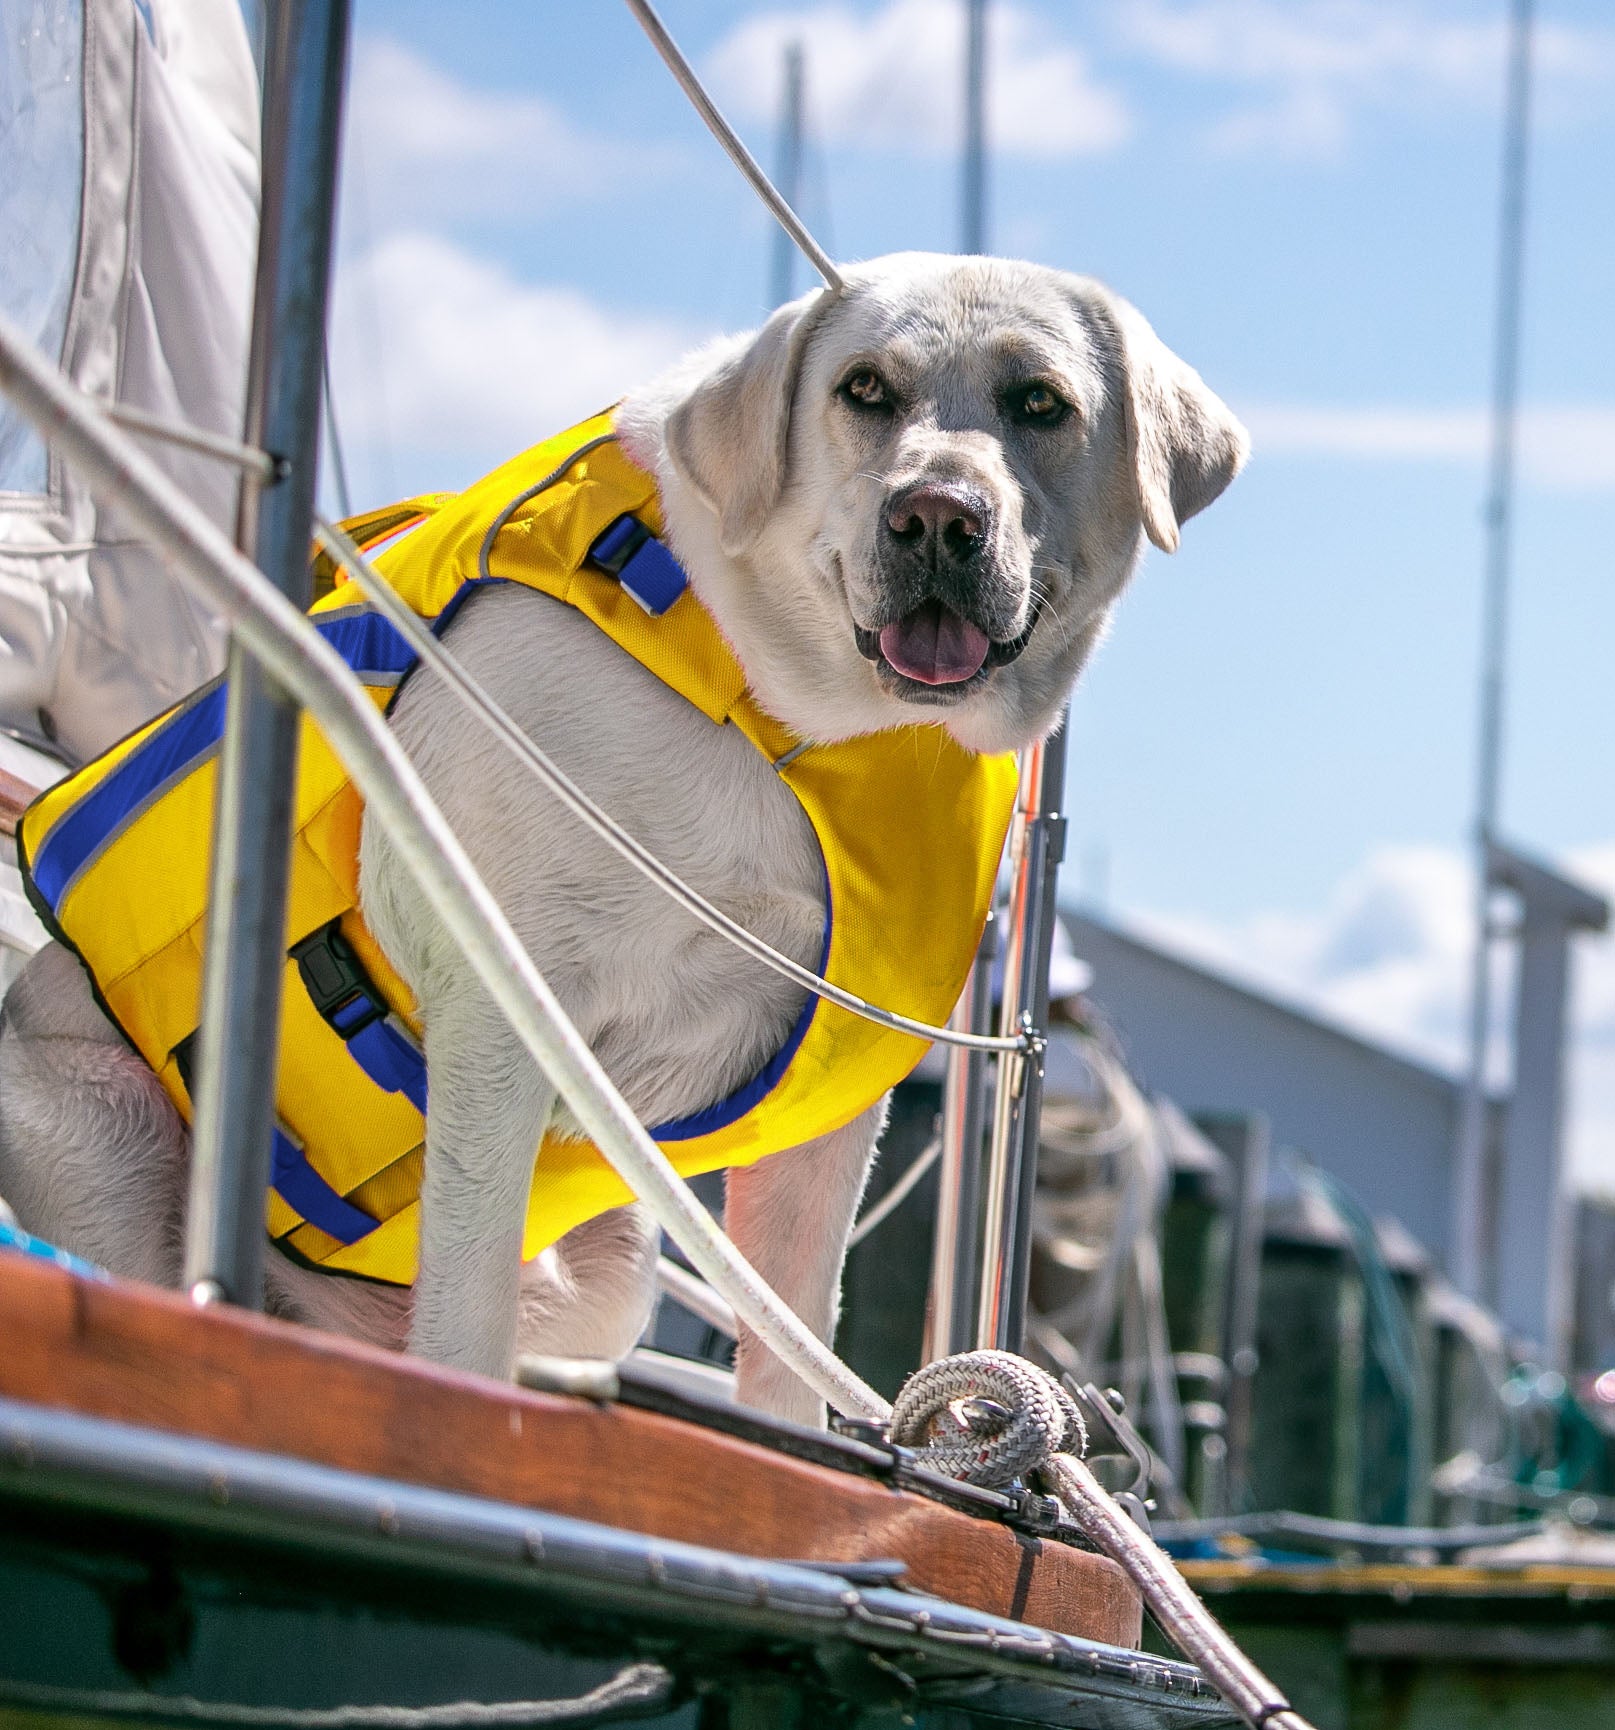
{"x": 728, "y": 437}
{"x": 1183, "y": 440}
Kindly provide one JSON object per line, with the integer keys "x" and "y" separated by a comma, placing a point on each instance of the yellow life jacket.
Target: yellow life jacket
{"x": 910, "y": 826}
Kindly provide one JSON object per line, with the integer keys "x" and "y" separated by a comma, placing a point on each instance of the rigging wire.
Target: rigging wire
{"x": 195, "y": 439}
{"x": 730, "y": 140}
{"x": 888, "y": 1204}
{"x": 339, "y": 467}
{"x": 792, "y": 144}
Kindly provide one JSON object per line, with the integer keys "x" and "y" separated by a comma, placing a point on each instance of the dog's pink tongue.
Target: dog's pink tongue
{"x": 934, "y": 645}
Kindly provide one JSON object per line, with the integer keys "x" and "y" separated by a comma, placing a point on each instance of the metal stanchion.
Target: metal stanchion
{"x": 950, "y": 1320}
{"x": 245, "y": 958}
{"x": 1037, "y": 847}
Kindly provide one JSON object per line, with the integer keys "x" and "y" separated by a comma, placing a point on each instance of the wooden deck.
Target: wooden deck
{"x": 149, "y": 1357}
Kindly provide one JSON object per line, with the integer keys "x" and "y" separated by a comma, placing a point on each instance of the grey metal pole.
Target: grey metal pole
{"x": 782, "y": 277}
{"x": 1472, "y": 1256}
{"x": 1247, "y": 1141}
{"x": 1534, "y": 1254}
{"x": 956, "y": 1246}
{"x": 973, "y": 227}
{"x": 1018, "y": 1098}
{"x": 245, "y": 957}
{"x": 726, "y": 135}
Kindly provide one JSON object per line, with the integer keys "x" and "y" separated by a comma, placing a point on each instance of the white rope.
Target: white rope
{"x": 702, "y": 1301}
{"x": 991, "y": 1418}
{"x": 636, "y": 1689}
{"x": 560, "y": 785}
{"x": 986, "y": 1417}
{"x": 271, "y": 628}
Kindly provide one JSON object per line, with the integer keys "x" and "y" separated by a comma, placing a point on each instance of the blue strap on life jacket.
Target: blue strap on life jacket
{"x": 291, "y": 1176}
{"x": 302, "y": 1188}
{"x": 644, "y": 567}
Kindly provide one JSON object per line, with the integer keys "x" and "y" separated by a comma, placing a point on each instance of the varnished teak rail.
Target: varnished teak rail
{"x": 148, "y": 1357}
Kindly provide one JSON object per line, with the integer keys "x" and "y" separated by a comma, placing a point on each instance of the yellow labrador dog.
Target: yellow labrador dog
{"x": 917, "y": 500}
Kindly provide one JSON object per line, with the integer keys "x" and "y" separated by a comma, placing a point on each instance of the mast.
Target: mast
{"x": 245, "y": 958}
{"x": 788, "y": 176}
{"x": 1474, "y": 1248}
{"x": 973, "y": 180}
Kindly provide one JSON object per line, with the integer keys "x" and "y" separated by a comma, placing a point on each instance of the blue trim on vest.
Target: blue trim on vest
{"x": 371, "y": 645}
{"x": 168, "y": 755}
{"x": 366, "y": 641}
{"x": 304, "y": 1191}
{"x": 735, "y": 1107}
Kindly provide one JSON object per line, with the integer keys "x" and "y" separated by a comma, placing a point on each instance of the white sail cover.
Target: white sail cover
{"x": 128, "y": 230}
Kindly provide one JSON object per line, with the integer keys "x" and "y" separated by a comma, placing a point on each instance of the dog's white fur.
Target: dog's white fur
{"x": 774, "y": 485}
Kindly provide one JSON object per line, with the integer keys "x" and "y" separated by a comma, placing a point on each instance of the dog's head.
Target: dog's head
{"x": 919, "y": 499}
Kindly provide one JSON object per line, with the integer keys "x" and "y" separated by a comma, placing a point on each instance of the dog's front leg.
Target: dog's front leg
{"x": 489, "y": 1107}
{"x": 790, "y": 1216}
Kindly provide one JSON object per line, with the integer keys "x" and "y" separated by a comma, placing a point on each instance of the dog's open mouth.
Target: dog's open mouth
{"x": 937, "y": 647}
{"x": 933, "y": 645}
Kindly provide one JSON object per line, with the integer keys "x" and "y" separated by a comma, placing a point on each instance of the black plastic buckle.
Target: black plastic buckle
{"x": 617, "y": 545}
{"x": 336, "y": 981}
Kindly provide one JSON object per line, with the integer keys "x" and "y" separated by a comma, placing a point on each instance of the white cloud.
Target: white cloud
{"x": 1312, "y": 69}
{"x": 892, "y": 78}
{"x": 428, "y": 148}
{"x": 1567, "y": 449}
{"x": 444, "y": 363}
{"x": 1388, "y": 955}
{"x": 1303, "y": 122}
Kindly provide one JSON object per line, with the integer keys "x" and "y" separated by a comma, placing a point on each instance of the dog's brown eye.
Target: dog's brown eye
{"x": 867, "y": 388}
{"x": 1039, "y": 404}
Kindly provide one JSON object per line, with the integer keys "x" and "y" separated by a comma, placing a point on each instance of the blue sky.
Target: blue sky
{"x": 1274, "y": 752}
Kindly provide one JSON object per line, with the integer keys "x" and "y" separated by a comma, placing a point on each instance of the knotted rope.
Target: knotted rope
{"x": 989, "y": 1418}
{"x": 986, "y": 1418}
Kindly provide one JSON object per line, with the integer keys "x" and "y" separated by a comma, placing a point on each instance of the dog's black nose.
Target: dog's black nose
{"x": 937, "y": 522}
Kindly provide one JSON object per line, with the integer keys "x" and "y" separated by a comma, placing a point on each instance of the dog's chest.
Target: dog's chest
{"x": 679, "y": 1017}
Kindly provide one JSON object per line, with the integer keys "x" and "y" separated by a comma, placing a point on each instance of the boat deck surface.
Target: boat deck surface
{"x": 215, "y": 1505}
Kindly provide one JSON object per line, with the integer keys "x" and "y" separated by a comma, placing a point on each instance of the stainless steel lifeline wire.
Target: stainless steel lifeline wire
{"x": 248, "y": 458}
{"x": 418, "y": 635}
